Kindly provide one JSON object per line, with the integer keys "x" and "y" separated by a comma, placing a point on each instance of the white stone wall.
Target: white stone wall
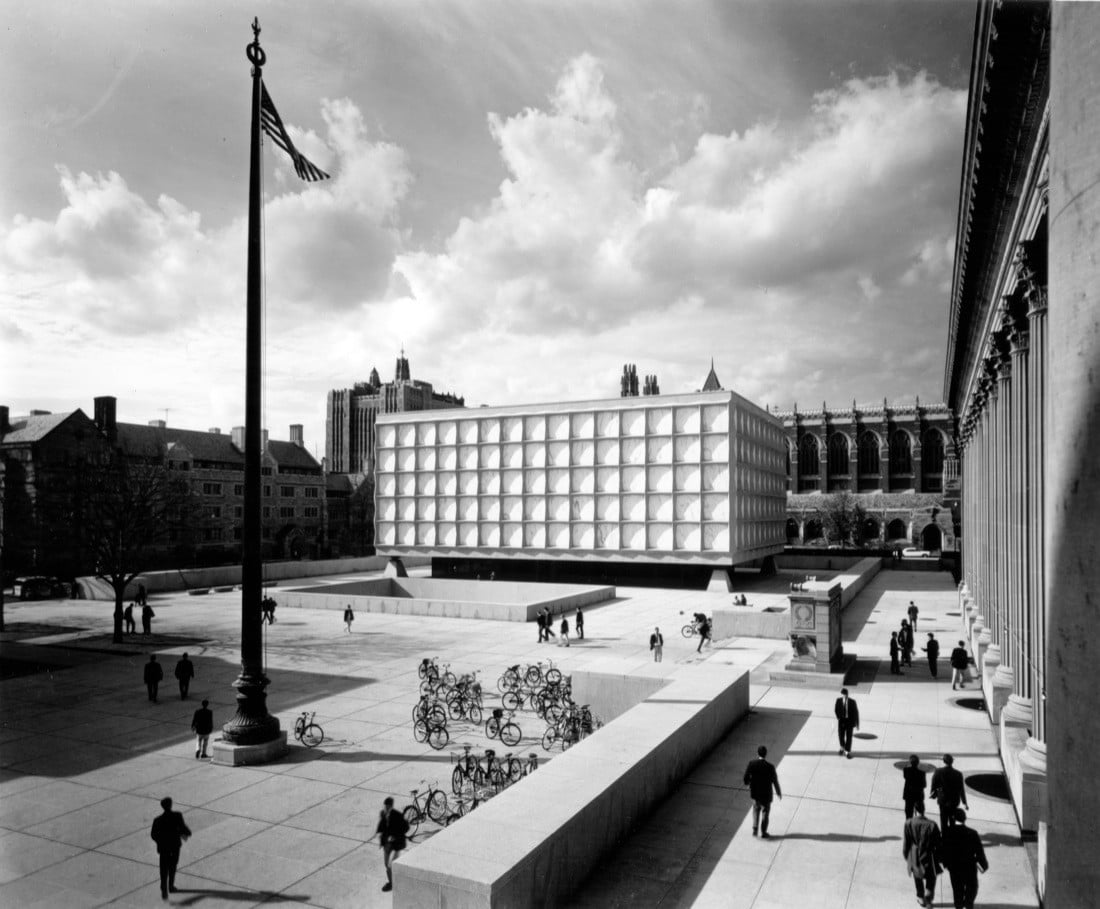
{"x": 696, "y": 478}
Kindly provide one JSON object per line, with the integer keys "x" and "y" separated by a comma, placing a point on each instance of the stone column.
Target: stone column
{"x": 999, "y": 669}
{"x": 1036, "y": 559}
{"x": 1072, "y": 837}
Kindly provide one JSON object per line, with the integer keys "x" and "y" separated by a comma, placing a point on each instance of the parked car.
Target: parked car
{"x": 911, "y": 552}
{"x": 40, "y": 588}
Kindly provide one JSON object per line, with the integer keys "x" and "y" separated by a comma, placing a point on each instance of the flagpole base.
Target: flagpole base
{"x": 252, "y": 724}
{"x": 232, "y": 755}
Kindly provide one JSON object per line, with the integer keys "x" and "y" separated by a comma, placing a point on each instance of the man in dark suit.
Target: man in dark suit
{"x": 761, "y": 778}
{"x": 185, "y": 671}
{"x": 203, "y": 724}
{"x": 916, "y": 781}
{"x": 921, "y": 850}
{"x": 949, "y": 790}
{"x": 152, "y": 675}
{"x": 169, "y": 831}
{"x": 391, "y": 831}
{"x": 847, "y": 719}
{"x": 963, "y": 855}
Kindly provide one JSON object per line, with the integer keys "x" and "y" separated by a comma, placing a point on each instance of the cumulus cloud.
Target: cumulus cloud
{"x": 125, "y": 265}
{"x": 820, "y": 221}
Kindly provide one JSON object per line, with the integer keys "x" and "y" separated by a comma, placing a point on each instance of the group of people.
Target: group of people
{"x": 902, "y": 646}
{"x": 153, "y": 675}
{"x": 147, "y": 616}
{"x": 927, "y": 848}
{"x": 545, "y": 622}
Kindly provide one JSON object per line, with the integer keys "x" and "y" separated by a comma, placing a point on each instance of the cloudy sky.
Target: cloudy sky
{"x": 525, "y": 195}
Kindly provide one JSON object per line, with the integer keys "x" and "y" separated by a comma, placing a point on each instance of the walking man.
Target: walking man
{"x": 895, "y": 651}
{"x": 761, "y": 778}
{"x": 913, "y": 613}
{"x": 916, "y": 781}
{"x": 202, "y": 723}
{"x": 921, "y": 850}
{"x": 959, "y": 663}
{"x": 949, "y": 790}
{"x": 349, "y": 617}
{"x": 391, "y": 831}
{"x": 541, "y": 619}
{"x": 549, "y": 624}
{"x": 657, "y": 644}
{"x": 153, "y": 674}
{"x": 932, "y": 648}
{"x": 704, "y": 633}
{"x": 579, "y": 622}
{"x": 905, "y": 639}
{"x": 185, "y": 671}
{"x": 564, "y": 632}
{"x": 847, "y": 719}
{"x": 128, "y": 617}
{"x": 963, "y": 855}
{"x": 169, "y": 832}
{"x": 147, "y": 616}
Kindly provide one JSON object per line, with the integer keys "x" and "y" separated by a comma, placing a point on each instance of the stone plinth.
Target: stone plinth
{"x": 240, "y": 755}
{"x": 815, "y": 630}
{"x": 1001, "y": 683}
{"x": 720, "y": 581}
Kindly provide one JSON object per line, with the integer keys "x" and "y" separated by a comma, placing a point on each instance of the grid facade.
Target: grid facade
{"x": 695, "y": 478}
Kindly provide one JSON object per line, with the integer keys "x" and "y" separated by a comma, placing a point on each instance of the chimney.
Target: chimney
{"x": 5, "y": 424}
{"x": 215, "y": 430}
{"x": 237, "y": 434}
{"x": 296, "y": 435}
{"x": 158, "y": 424}
{"x": 105, "y": 408}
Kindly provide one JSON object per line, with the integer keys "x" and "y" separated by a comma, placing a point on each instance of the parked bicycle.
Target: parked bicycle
{"x": 307, "y": 731}
{"x": 503, "y": 727}
{"x": 431, "y": 804}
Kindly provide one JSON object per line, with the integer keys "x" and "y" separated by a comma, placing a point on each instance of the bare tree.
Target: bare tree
{"x": 839, "y": 517}
{"x": 131, "y": 508}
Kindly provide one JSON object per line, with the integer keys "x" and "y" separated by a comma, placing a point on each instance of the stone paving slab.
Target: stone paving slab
{"x": 84, "y": 759}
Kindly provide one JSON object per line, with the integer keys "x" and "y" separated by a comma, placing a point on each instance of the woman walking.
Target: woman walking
{"x": 349, "y": 617}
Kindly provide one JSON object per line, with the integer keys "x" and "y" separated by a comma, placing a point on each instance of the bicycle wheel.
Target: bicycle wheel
{"x": 514, "y": 770}
{"x": 437, "y": 806}
{"x": 438, "y": 737}
{"x": 299, "y": 727}
{"x": 412, "y": 818}
{"x": 511, "y": 700}
{"x": 549, "y": 738}
{"x": 510, "y": 734}
{"x": 534, "y": 675}
{"x": 449, "y": 679}
{"x": 313, "y": 735}
{"x": 473, "y": 713}
{"x": 437, "y": 715}
{"x": 456, "y": 708}
{"x": 553, "y": 676}
{"x": 420, "y": 730}
{"x": 492, "y": 727}
{"x": 553, "y": 712}
{"x": 458, "y": 779}
{"x": 687, "y": 631}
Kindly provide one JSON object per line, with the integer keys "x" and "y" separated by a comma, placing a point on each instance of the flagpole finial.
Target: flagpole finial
{"x": 254, "y": 52}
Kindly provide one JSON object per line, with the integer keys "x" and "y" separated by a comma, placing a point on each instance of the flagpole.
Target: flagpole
{"x": 253, "y": 731}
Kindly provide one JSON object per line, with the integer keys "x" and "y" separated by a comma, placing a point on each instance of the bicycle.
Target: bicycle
{"x": 435, "y": 734}
{"x": 497, "y": 726}
{"x": 692, "y": 629}
{"x": 308, "y": 732}
{"x": 432, "y": 805}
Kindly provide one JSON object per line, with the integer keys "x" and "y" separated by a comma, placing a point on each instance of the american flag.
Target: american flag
{"x": 273, "y": 126}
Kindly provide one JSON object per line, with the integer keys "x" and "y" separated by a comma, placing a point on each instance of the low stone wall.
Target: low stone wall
{"x": 502, "y": 601}
{"x": 229, "y": 575}
{"x": 757, "y": 622}
{"x": 533, "y": 844}
{"x": 612, "y": 686}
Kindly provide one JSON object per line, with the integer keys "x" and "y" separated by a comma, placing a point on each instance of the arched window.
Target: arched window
{"x": 868, "y": 454}
{"x": 901, "y": 456}
{"x": 932, "y": 452}
{"x": 869, "y": 530}
{"x": 792, "y": 529}
{"x": 838, "y": 454}
{"x": 813, "y": 530}
{"x": 895, "y": 530}
{"x": 808, "y": 456}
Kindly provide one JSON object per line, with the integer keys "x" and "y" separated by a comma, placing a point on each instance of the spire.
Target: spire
{"x": 712, "y": 383}
{"x": 402, "y": 371}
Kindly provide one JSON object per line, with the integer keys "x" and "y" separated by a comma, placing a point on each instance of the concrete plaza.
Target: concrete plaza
{"x": 85, "y": 757}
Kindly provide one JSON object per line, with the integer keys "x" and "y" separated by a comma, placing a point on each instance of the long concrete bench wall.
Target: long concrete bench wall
{"x": 612, "y": 686}
{"x": 225, "y": 575}
{"x": 450, "y": 599}
{"x": 534, "y": 844}
{"x": 751, "y": 622}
